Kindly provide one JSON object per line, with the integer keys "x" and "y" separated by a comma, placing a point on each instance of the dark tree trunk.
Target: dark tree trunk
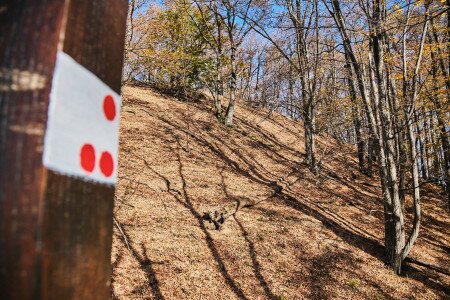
{"x": 439, "y": 111}
{"x": 310, "y": 144}
{"x": 361, "y": 145}
{"x": 230, "y": 108}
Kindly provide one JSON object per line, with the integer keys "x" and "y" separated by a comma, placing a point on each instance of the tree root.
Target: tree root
{"x": 216, "y": 217}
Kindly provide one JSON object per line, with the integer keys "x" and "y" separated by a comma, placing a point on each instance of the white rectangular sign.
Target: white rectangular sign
{"x": 82, "y": 135}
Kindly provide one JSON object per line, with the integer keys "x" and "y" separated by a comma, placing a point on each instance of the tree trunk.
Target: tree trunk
{"x": 409, "y": 111}
{"x": 439, "y": 113}
{"x": 291, "y": 92}
{"x": 218, "y": 88}
{"x": 230, "y": 108}
{"x": 416, "y": 192}
{"x": 361, "y": 145}
{"x": 310, "y": 144}
{"x": 370, "y": 155}
{"x": 422, "y": 147}
{"x": 394, "y": 233}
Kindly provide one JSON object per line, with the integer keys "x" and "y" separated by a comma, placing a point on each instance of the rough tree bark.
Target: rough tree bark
{"x": 230, "y": 108}
{"x": 412, "y": 140}
{"x": 361, "y": 145}
{"x": 381, "y": 122}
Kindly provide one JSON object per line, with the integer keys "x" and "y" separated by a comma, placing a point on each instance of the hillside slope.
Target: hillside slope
{"x": 321, "y": 238}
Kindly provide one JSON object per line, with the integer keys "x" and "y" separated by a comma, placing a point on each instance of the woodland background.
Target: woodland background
{"x": 370, "y": 73}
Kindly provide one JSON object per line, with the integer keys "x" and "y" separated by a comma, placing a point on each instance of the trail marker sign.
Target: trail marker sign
{"x": 81, "y": 139}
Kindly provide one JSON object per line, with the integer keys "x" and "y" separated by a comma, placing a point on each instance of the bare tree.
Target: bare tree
{"x": 382, "y": 121}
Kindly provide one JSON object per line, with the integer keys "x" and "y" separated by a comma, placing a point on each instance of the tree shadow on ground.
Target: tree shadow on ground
{"x": 256, "y": 266}
{"x": 347, "y": 231}
{"x": 255, "y": 263}
{"x": 341, "y": 227}
{"x": 183, "y": 198}
{"x": 145, "y": 264}
{"x": 364, "y": 243}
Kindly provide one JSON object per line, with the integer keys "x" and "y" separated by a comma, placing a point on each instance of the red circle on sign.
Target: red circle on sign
{"x": 109, "y": 108}
{"x": 106, "y": 164}
{"x": 87, "y": 157}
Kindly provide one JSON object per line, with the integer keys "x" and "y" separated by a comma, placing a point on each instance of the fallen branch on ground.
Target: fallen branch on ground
{"x": 122, "y": 233}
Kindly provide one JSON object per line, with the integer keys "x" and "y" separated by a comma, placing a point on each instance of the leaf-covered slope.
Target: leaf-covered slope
{"x": 320, "y": 238}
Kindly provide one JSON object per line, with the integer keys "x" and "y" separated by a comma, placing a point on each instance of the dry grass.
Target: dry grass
{"x": 320, "y": 239}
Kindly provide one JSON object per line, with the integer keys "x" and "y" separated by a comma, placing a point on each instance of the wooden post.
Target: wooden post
{"x": 55, "y": 228}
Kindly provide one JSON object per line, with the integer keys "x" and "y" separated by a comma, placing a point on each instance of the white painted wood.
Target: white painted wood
{"x": 76, "y": 117}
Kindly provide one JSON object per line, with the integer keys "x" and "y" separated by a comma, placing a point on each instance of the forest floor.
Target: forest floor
{"x": 320, "y": 238}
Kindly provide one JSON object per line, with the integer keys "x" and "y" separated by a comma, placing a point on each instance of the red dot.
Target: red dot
{"x": 106, "y": 164}
{"x": 87, "y": 157}
{"x": 109, "y": 107}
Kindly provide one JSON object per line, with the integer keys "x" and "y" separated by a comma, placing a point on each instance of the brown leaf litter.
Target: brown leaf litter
{"x": 321, "y": 238}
